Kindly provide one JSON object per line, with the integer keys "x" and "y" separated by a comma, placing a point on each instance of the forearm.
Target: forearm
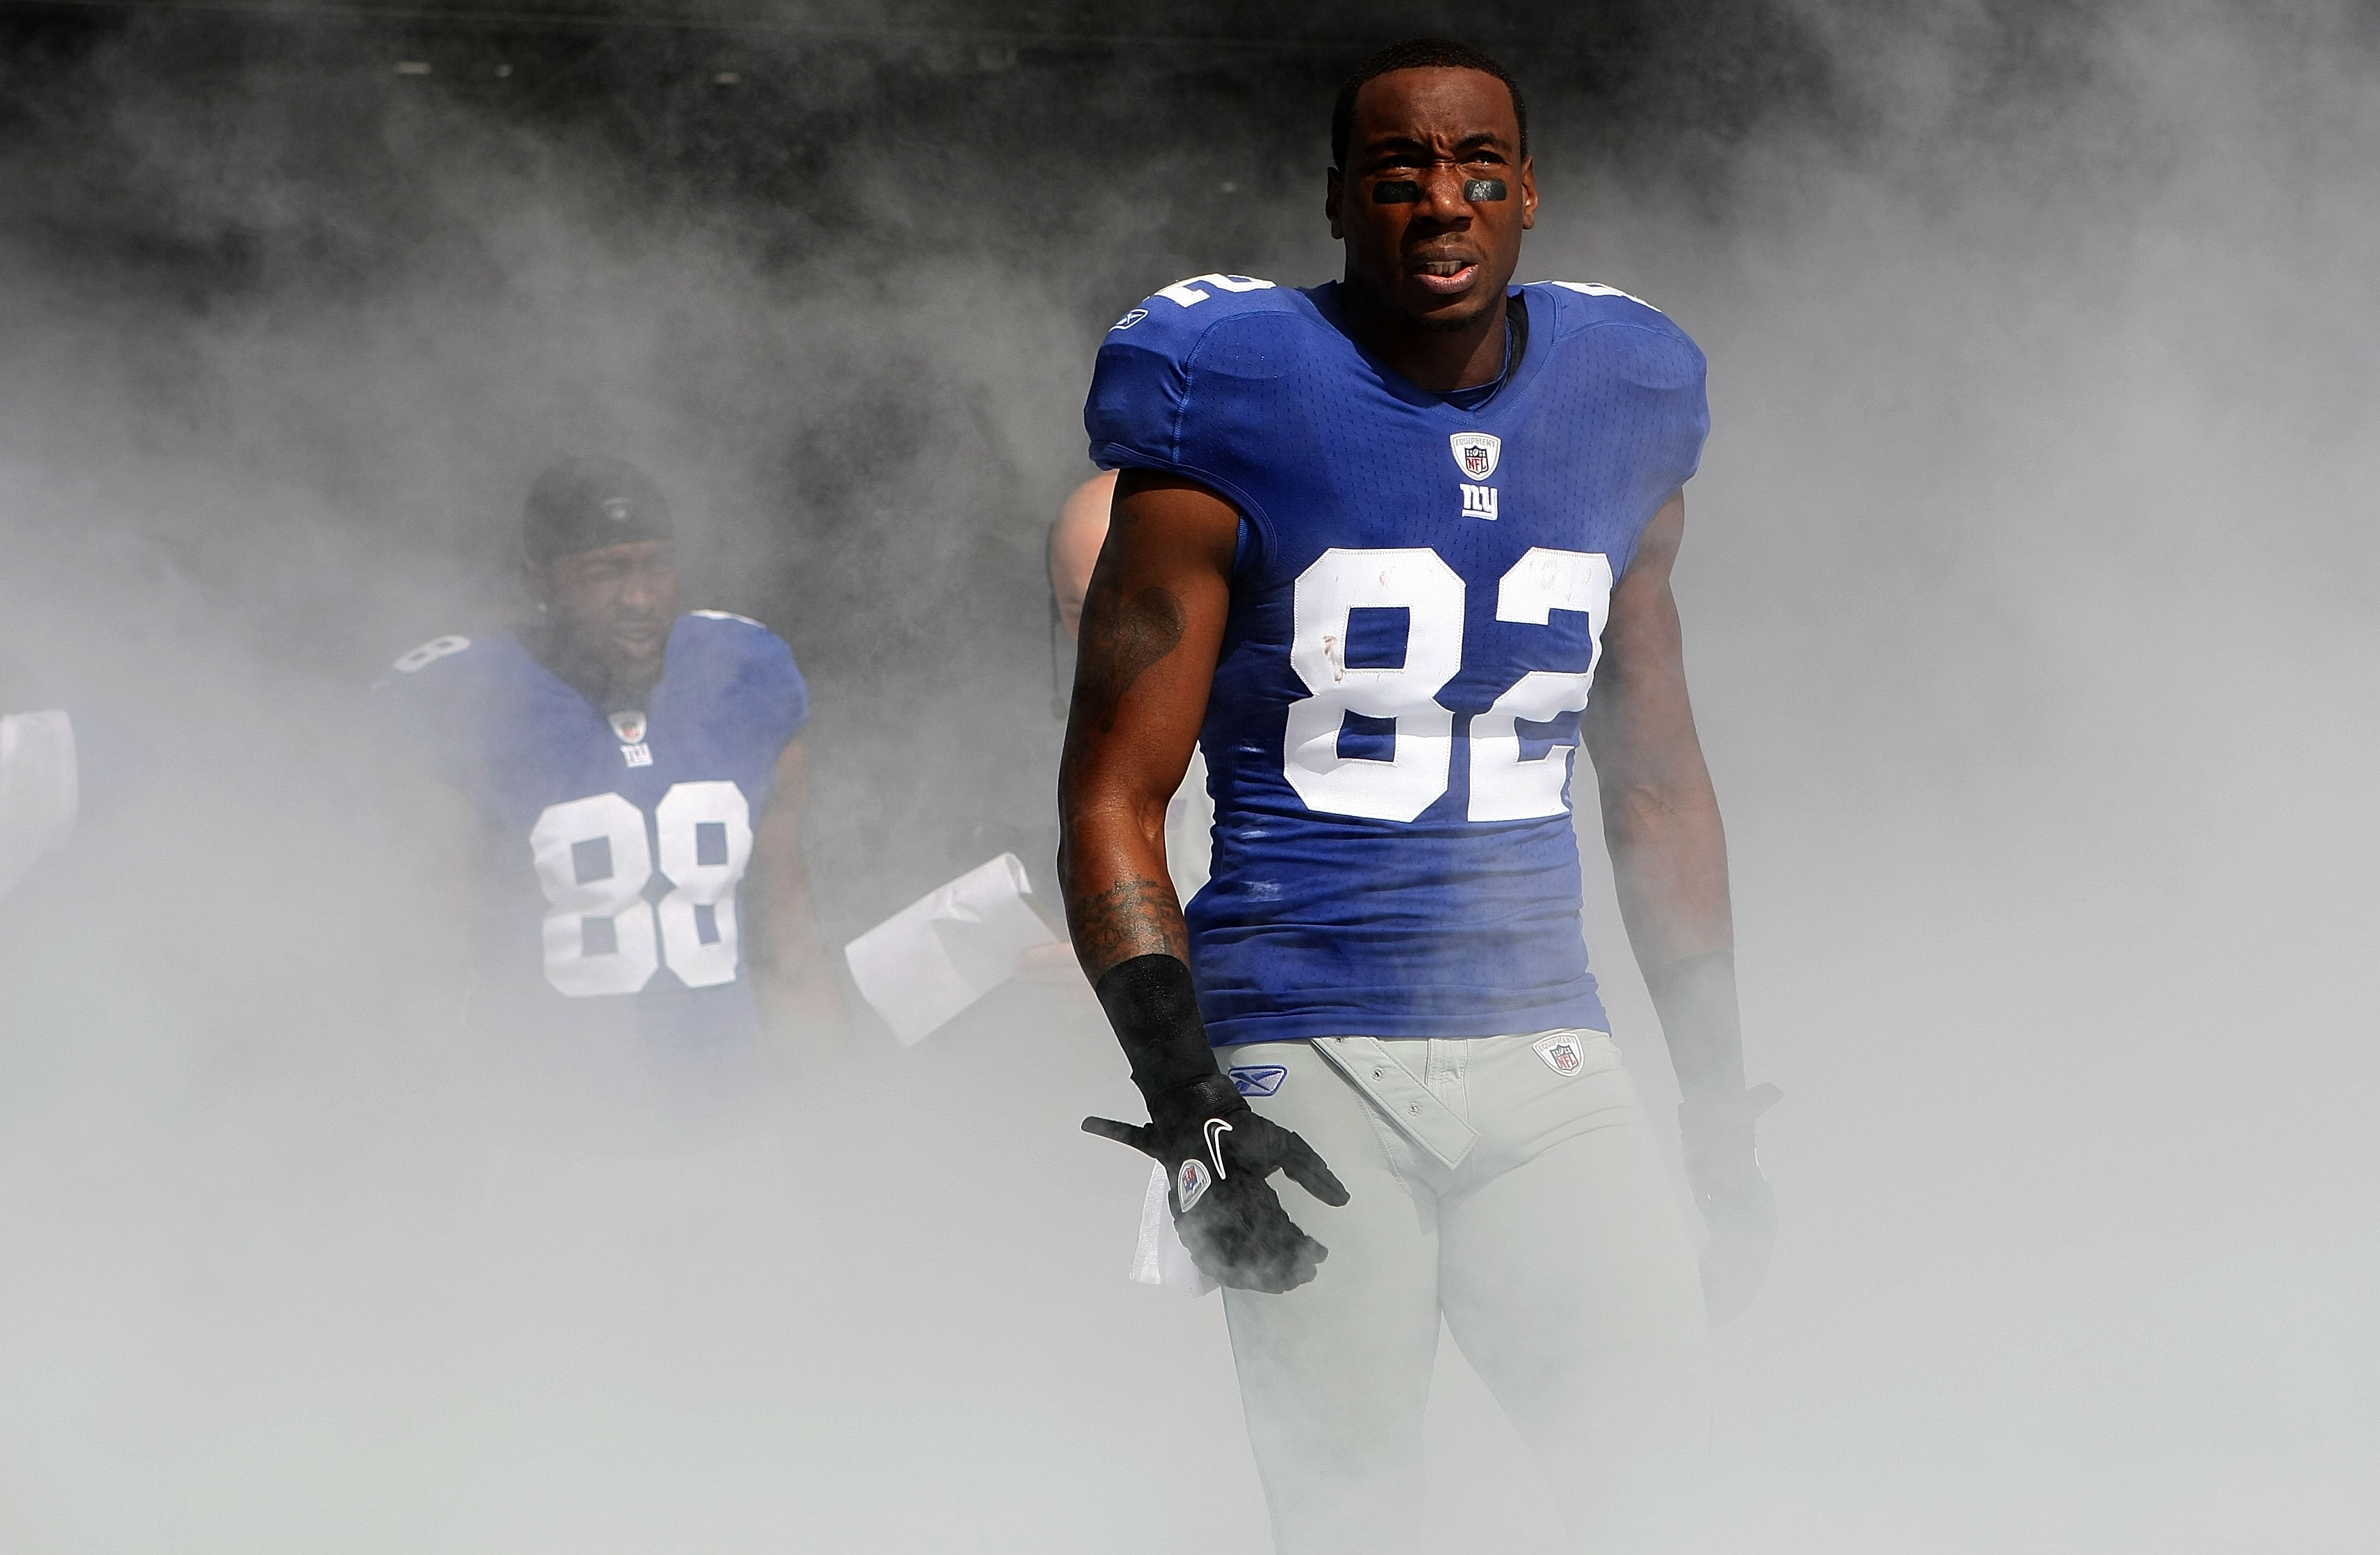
{"x": 1119, "y": 896}
{"x": 800, "y": 996}
{"x": 1669, "y": 858}
{"x": 791, "y": 957}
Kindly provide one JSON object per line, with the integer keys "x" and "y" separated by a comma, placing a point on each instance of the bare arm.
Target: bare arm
{"x": 1153, "y": 627}
{"x": 800, "y": 995}
{"x": 1661, "y": 820}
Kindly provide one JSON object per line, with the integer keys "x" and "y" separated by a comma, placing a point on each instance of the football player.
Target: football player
{"x": 624, "y": 782}
{"x": 1373, "y": 543}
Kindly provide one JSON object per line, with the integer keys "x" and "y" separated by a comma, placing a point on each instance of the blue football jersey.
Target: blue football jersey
{"x": 1416, "y": 614}
{"x": 614, "y": 849}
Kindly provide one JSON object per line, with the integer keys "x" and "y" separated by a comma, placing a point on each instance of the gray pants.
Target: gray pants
{"x": 1554, "y": 1248}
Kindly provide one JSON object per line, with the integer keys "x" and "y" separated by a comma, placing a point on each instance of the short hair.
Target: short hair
{"x": 1417, "y": 54}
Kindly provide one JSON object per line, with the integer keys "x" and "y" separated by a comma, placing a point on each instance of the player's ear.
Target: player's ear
{"x": 1529, "y": 193}
{"x": 536, "y": 583}
{"x": 1331, "y": 193}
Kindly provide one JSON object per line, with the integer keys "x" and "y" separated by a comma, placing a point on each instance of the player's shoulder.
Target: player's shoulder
{"x": 728, "y": 636}
{"x": 733, "y": 662}
{"x": 730, "y": 650}
{"x": 1652, "y": 344}
{"x": 1177, "y": 320}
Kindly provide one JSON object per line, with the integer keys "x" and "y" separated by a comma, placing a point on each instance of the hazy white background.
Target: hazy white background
{"x": 2029, "y": 592}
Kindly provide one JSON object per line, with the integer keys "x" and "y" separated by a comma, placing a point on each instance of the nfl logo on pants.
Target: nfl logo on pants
{"x": 1560, "y": 1053}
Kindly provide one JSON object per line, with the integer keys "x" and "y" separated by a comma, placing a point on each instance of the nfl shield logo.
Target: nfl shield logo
{"x": 1476, "y": 454}
{"x": 1192, "y": 1185}
{"x": 629, "y": 726}
{"x": 1560, "y": 1053}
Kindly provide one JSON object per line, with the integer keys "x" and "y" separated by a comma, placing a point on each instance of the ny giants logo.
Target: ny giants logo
{"x": 630, "y": 727}
{"x": 1477, "y": 454}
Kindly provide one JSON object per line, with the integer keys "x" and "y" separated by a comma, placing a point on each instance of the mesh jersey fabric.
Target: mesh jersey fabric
{"x": 611, "y": 869}
{"x": 1414, "y": 627}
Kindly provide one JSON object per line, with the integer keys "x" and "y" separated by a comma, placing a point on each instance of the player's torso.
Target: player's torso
{"x": 613, "y": 848}
{"x": 1413, "y": 634}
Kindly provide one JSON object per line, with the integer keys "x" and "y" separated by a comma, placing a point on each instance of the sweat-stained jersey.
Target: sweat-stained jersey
{"x": 1416, "y": 616}
{"x": 612, "y": 850}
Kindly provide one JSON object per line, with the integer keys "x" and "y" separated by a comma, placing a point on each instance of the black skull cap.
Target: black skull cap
{"x": 587, "y": 503}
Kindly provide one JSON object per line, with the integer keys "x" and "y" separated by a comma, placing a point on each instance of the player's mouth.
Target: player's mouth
{"x": 1446, "y": 277}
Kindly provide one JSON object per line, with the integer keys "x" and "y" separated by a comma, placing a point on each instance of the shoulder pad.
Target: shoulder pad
{"x": 1596, "y": 289}
{"x": 1182, "y": 312}
{"x": 723, "y": 638}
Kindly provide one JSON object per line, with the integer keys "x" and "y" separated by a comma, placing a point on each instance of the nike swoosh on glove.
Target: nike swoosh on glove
{"x": 1218, "y": 1152}
{"x": 1739, "y": 1207}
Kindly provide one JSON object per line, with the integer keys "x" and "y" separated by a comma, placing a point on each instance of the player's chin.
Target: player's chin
{"x": 1438, "y": 311}
{"x": 636, "y": 651}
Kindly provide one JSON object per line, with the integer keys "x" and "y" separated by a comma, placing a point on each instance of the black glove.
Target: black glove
{"x": 1216, "y": 1150}
{"x": 1739, "y": 1208}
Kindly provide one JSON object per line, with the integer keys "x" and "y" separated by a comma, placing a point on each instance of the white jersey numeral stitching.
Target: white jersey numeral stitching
{"x": 1505, "y": 785}
{"x": 594, "y": 863}
{"x": 1413, "y": 776}
{"x": 429, "y": 653}
{"x": 1422, "y": 734}
{"x": 1596, "y": 289}
{"x": 705, "y": 831}
{"x": 1187, "y": 294}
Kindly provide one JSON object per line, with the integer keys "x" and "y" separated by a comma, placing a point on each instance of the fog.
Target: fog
{"x": 2028, "y": 593}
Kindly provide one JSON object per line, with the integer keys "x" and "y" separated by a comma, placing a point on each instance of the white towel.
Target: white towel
{"x": 949, "y": 948}
{"x": 1160, "y": 1259}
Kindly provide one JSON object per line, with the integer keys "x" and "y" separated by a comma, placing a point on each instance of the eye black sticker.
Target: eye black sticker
{"x": 1480, "y": 191}
{"x": 1404, "y": 191}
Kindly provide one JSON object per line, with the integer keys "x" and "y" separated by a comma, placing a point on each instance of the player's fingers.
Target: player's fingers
{"x": 1122, "y": 1134}
{"x": 1308, "y": 1170}
{"x": 1298, "y": 1266}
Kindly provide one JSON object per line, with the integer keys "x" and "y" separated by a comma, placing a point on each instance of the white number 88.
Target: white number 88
{"x": 593, "y": 863}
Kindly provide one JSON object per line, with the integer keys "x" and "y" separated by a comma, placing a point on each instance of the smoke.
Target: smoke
{"x": 2027, "y": 591}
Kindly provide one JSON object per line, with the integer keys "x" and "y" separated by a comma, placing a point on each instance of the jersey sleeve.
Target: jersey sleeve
{"x": 765, "y": 685}
{"x": 1180, "y": 381}
{"x": 419, "y": 713}
{"x": 1665, "y": 372}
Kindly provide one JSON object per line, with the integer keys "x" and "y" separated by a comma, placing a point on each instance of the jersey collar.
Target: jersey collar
{"x": 1324, "y": 299}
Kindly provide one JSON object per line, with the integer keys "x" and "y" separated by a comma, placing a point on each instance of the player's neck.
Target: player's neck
{"x": 609, "y": 687}
{"x": 1440, "y": 361}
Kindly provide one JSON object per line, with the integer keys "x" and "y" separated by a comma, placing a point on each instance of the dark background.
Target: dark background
{"x": 181, "y": 183}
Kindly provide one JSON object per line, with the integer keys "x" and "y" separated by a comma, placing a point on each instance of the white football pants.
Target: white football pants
{"x": 1530, "y": 1207}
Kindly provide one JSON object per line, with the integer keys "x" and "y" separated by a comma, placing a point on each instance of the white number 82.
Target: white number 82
{"x": 1505, "y": 785}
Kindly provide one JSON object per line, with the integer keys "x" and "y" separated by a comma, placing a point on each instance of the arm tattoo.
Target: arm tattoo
{"x": 1120, "y": 638}
{"x": 1138, "y": 916}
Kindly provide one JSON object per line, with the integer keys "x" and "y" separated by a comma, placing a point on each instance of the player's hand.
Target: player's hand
{"x": 1739, "y": 1207}
{"x": 1217, "y": 1152}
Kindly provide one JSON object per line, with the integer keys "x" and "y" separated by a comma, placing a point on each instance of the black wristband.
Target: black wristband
{"x": 1695, "y": 999}
{"x": 1154, "y": 1008}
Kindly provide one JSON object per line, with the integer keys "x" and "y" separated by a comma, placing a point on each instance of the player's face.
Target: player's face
{"x": 613, "y": 606}
{"x": 1413, "y": 238}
